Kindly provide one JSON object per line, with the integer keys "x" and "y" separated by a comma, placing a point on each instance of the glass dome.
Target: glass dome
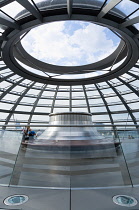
{"x": 105, "y": 87}
{"x": 29, "y": 96}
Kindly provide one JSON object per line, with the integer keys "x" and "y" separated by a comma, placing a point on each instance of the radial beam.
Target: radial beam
{"x": 3, "y": 68}
{"x": 129, "y": 86}
{"x": 105, "y": 103}
{"x": 86, "y": 98}
{"x": 130, "y": 22}
{"x": 8, "y": 23}
{"x": 135, "y": 1}
{"x": 108, "y": 7}
{"x": 10, "y": 88}
{"x": 52, "y": 108}
{"x": 69, "y": 7}
{"x": 124, "y": 103}
{"x": 5, "y": 78}
{"x": 133, "y": 75}
{"x": 70, "y": 99}
{"x": 35, "y": 103}
{"x": 108, "y": 110}
{"x": 17, "y": 103}
{"x": 26, "y": 4}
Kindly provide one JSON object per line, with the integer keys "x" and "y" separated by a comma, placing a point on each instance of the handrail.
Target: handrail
{"x": 69, "y": 125}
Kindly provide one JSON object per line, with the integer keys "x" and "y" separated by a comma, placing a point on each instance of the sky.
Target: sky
{"x": 70, "y": 43}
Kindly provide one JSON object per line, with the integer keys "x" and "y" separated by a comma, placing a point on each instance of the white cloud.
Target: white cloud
{"x": 13, "y": 8}
{"x": 87, "y": 43}
{"x": 128, "y": 7}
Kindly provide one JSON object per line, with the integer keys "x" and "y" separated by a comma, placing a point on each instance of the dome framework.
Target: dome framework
{"x": 127, "y": 49}
{"x": 111, "y": 97}
{"x": 78, "y": 179}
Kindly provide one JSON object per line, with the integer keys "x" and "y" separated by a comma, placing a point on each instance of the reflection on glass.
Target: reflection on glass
{"x": 9, "y": 146}
{"x": 70, "y": 152}
{"x": 127, "y": 10}
{"x": 12, "y": 9}
{"x": 130, "y": 146}
{"x": 77, "y": 155}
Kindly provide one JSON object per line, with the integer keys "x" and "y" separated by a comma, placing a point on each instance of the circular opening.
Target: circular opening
{"x": 16, "y": 200}
{"x": 124, "y": 200}
{"x": 70, "y": 43}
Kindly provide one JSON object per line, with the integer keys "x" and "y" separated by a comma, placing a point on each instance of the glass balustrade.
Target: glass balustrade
{"x": 71, "y": 157}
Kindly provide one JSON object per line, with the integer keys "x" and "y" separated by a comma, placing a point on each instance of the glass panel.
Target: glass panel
{"x": 130, "y": 145}
{"x": 45, "y": 102}
{"x": 117, "y": 108}
{"x": 77, "y": 109}
{"x": 70, "y": 153}
{"x": 79, "y": 102}
{"x": 44, "y": 158}
{"x": 101, "y": 118}
{"x": 137, "y": 25}
{"x": 61, "y": 109}
{"x": 10, "y": 97}
{"x": 98, "y": 109}
{"x": 23, "y": 108}
{"x": 127, "y": 9}
{"x": 95, "y": 5}
{"x": 9, "y": 146}
{"x": 6, "y": 106}
{"x": 98, "y": 159}
{"x": 39, "y": 119}
{"x": 43, "y": 109}
{"x": 48, "y": 4}
{"x": 13, "y": 9}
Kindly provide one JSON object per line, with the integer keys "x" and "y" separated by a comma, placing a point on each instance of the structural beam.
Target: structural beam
{"x": 35, "y": 103}
{"x": 70, "y": 99}
{"x": 108, "y": 7}
{"x": 86, "y": 98}
{"x": 129, "y": 86}
{"x": 5, "y": 78}
{"x": 8, "y": 23}
{"x": 26, "y": 4}
{"x": 3, "y": 68}
{"x": 105, "y": 103}
{"x": 124, "y": 103}
{"x": 10, "y": 88}
{"x": 69, "y": 7}
{"x": 17, "y": 103}
{"x": 133, "y": 75}
{"x": 52, "y": 108}
{"x": 130, "y": 22}
{"x": 135, "y": 1}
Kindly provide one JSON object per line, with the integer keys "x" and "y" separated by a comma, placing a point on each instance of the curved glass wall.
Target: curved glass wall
{"x": 110, "y": 102}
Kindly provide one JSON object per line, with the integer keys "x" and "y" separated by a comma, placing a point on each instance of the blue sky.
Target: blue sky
{"x": 70, "y": 43}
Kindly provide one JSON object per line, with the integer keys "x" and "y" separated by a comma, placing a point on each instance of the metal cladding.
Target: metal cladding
{"x": 73, "y": 131}
{"x": 44, "y": 5}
